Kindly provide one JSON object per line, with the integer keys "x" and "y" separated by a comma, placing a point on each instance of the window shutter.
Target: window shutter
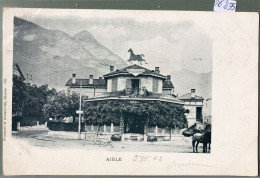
{"x": 114, "y": 84}
{"x": 155, "y": 85}
{"x": 128, "y": 84}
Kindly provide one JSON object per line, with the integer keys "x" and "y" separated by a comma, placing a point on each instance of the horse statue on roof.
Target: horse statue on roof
{"x": 135, "y": 57}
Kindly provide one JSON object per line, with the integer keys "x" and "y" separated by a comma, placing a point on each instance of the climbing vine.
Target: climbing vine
{"x": 163, "y": 114}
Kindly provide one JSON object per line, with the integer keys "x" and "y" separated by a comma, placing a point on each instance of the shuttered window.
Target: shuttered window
{"x": 155, "y": 85}
{"x": 128, "y": 83}
{"x": 114, "y": 84}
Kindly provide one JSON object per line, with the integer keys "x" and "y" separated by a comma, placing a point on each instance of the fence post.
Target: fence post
{"x": 46, "y": 124}
{"x": 145, "y": 132}
{"x": 170, "y": 133}
{"x": 112, "y": 128}
{"x": 18, "y": 126}
{"x": 37, "y": 123}
{"x": 156, "y": 129}
{"x": 92, "y": 128}
{"x": 105, "y": 128}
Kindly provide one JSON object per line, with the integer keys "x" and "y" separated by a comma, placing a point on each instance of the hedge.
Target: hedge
{"x": 62, "y": 126}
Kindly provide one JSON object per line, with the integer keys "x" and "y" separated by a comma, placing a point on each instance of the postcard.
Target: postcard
{"x": 129, "y": 92}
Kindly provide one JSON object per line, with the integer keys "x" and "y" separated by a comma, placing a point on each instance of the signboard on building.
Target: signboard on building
{"x": 136, "y": 72}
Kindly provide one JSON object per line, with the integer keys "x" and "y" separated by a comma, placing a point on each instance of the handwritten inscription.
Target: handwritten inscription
{"x": 179, "y": 165}
{"x": 139, "y": 158}
{"x": 225, "y": 5}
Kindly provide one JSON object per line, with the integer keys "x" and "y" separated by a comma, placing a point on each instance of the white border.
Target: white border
{"x": 235, "y": 107}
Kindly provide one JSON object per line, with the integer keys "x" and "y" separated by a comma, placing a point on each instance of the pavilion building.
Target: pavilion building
{"x": 135, "y": 87}
{"x": 133, "y": 79}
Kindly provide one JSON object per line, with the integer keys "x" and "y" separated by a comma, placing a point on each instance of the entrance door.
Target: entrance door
{"x": 135, "y": 86}
{"x": 199, "y": 114}
{"x": 134, "y": 124}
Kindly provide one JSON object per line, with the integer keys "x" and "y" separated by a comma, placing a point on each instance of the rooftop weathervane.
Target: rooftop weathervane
{"x": 135, "y": 57}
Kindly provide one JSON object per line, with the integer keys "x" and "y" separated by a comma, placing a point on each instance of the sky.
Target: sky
{"x": 168, "y": 40}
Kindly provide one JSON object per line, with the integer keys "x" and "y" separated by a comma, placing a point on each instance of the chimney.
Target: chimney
{"x": 168, "y": 77}
{"x": 91, "y": 79}
{"x": 73, "y": 78}
{"x": 111, "y": 68}
{"x": 100, "y": 77}
{"x": 157, "y": 70}
{"x": 192, "y": 93}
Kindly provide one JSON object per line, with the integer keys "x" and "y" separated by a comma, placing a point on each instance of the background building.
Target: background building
{"x": 89, "y": 87}
{"x": 207, "y": 111}
{"x": 194, "y": 104}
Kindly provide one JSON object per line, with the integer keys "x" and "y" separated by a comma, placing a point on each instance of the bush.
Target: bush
{"x": 28, "y": 121}
{"x": 61, "y": 126}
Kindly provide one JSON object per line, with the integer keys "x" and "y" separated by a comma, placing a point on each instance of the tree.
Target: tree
{"x": 18, "y": 94}
{"x": 61, "y": 104}
{"x": 29, "y": 100}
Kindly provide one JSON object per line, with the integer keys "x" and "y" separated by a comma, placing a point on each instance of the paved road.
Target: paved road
{"x": 39, "y": 137}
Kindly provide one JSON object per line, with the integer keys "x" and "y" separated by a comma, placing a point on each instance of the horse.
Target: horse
{"x": 199, "y": 136}
{"x": 135, "y": 57}
{"x": 204, "y": 138}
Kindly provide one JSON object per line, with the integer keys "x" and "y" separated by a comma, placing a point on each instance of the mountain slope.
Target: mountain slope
{"x": 52, "y": 55}
{"x": 184, "y": 80}
{"x": 87, "y": 40}
{"x": 53, "y": 42}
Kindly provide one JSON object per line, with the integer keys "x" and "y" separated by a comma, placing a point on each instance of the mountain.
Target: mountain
{"x": 87, "y": 40}
{"x": 184, "y": 80}
{"x": 52, "y": 55}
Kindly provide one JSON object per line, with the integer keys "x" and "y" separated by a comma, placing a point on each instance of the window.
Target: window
{"x": 114, "y": 84}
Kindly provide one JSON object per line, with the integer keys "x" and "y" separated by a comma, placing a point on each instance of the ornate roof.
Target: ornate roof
{"x": 101, "y": 83}
{"x": 188, "y": 97}
{"x": 167, "y": 84}
{"x": 125, "y": 71}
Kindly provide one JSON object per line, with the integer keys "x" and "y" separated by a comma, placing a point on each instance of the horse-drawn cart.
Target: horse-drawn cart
{"x": 195, "y": 128}
{"x": 201, "y": 133}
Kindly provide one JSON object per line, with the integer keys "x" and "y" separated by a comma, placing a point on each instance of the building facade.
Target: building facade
{"x": 207, "y": 111}
{"x": 88, "y": 87}
{"x": 134, "y": 80}
{"x": 194, "y": 105}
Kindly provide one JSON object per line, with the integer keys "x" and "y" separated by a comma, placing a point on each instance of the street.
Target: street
{"x": 38, "y": 136}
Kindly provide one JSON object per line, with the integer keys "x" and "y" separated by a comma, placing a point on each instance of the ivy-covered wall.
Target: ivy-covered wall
{"x": 162, "y": 114}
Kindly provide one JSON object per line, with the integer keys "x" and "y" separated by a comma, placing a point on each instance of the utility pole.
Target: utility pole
{"x": 122, "y": 127}
{"x": 79, "y": 111}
